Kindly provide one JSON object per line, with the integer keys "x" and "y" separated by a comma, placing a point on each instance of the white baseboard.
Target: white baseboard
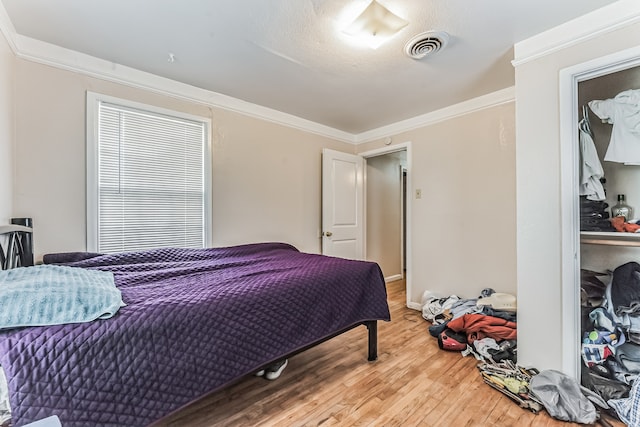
{"x": 414, "y": 306}
{"x": 393, "y": 278}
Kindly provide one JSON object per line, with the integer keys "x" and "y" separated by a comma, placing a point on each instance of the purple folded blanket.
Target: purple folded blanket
{"x": 195, "y": 321}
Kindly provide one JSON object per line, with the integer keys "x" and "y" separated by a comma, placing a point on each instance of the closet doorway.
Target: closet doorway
{"x": 577, "y": 87}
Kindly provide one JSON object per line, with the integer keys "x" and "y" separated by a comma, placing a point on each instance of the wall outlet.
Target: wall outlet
{"x": 418, "y": 193}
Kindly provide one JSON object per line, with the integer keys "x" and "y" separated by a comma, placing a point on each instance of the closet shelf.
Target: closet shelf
{"x": 611, "y": 239}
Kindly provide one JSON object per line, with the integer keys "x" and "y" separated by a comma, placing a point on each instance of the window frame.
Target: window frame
{"x": 93, "y": 101}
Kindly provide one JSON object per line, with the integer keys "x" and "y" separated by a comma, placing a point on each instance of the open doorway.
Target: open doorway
{"x": 388, "y": 211}
{"x": 384, "y": 198}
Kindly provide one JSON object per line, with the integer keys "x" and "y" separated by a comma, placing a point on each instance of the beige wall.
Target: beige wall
{"x": 538, "y": 188}
{"x": 384, "y": 212}
{"x": 266, "y": 177}
{"x": 463, "y": 227}
{"x": 6, "y": 130}
{"x": 266, "y": 180}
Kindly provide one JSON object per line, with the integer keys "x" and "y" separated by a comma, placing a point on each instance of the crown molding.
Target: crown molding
{"x": 66, "y": 59}
{"x": 591, "y": 25}
{"x": 489, "y": 100}
{"x": 48, "y": 54}
{"x": 7, "y": 29}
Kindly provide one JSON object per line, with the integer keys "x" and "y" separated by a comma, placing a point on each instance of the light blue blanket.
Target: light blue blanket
{"x": 53, "y": 295}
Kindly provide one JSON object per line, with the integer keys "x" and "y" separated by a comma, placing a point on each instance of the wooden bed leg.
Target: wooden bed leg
{"x": 372, "y": 326}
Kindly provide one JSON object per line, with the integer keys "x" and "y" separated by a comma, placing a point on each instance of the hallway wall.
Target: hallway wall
{"x": 384, "y": 212}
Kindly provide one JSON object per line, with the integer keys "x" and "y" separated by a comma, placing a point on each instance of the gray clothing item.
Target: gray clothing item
{"x": 633, "y": 309}
{"x": 601, "y": 319}
{"x": 470, "y": 306}
{"x": 484, "y": 345}
{"x": 619, "y": 372}
{"x": 625, "y": 288}
{"x": 628, "y": 409}
{"x": 462, "y": 307}
{"x": 506, "y": 315}
{"x": 562, "y": 397}
{"x": 434, "y": 307}
{"x": 5, "y": 409}
{"x": 629, "y": 323}
{"x": 628, "y": 355}
{"x": 633, "y": 331}
{"x": 486, "y": 292}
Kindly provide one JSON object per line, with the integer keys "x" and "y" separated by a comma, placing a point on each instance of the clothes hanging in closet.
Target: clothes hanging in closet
{"x": 590, "y": 167}
{"x": 623, "y": 112}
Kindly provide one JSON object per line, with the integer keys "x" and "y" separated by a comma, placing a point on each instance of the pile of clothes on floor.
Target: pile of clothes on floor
{"x": 610, "y": 348}
{"x": 485, "y": 325}
{"x": 486, "y": 328}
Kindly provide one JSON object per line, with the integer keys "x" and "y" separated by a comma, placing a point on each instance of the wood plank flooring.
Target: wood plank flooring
{"x": 413, "y": 383}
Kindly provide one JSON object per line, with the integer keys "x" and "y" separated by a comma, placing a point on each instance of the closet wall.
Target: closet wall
{"x": 621, "y": 179}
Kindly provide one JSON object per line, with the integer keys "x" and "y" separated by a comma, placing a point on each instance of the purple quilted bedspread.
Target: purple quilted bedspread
{"x": 195, "y": 321}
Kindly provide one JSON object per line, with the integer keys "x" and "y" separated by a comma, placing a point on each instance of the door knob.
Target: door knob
{"x": 328, "y": 233}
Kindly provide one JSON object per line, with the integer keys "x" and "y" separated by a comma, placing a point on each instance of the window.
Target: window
{"x": 147, "y": 177}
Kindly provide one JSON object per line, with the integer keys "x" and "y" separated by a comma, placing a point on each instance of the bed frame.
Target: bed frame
{"x": 340, "y": 292}
{"x": 372, "y": 328}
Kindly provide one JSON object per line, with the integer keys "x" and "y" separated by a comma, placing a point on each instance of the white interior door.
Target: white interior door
{"x": 342, "y": 204}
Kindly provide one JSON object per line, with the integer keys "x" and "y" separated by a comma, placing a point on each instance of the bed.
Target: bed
{"x": 195, "y": 321}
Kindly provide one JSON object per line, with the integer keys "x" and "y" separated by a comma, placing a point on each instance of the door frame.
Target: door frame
{"x": 569, "y": 195}
{"x": 405, "y": 146}
{"x": 404, "y": 196}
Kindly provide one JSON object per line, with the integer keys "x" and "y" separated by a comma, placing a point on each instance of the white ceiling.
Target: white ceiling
{"x": 289, "y": 55}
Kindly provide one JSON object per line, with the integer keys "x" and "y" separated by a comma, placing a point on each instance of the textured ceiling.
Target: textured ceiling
{"x": 289, "y": 55}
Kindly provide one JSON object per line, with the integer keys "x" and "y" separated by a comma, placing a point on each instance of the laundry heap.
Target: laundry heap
{"x": 610, "y": 348}
{"x": 488, "y": 323}
{"x": 486, "y": 328}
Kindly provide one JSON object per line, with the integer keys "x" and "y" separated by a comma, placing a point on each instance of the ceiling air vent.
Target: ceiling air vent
{"x": 426, "y": 44}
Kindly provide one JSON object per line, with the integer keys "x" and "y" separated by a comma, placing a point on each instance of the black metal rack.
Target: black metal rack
{"x": 18, "y": 237}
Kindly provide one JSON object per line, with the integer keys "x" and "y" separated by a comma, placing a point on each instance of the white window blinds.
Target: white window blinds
{"x": 150, "y": 180}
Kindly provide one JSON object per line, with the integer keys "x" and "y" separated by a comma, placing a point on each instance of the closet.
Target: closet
{"x": 603, "y": 251}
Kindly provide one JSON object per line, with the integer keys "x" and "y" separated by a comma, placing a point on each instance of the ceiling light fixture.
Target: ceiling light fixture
{"x": 375, "y": 25}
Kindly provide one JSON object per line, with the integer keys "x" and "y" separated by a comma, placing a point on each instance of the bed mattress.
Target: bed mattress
{"x": 195, "y": 321}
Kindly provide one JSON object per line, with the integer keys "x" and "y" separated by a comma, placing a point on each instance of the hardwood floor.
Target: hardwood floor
{"x": 413, "y": 383}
